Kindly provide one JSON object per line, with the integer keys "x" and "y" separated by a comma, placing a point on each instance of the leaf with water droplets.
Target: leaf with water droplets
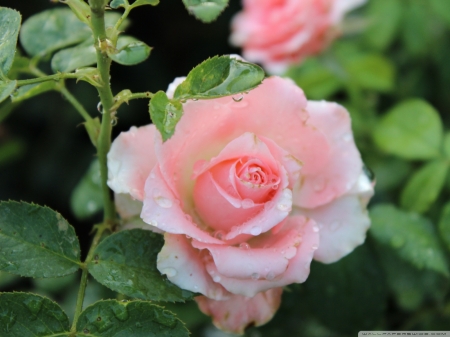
{"x": 129, "y": 318}
{"x": 126, "y": 262}
{"x": 206, "y": 10}
{"x": 338, "y": 294}
{"x": 411, "y": 130}
{"x": 87, "y": 197}
{"x": 30, "y": 315}
{"x": 219, "y": 76}
{"x": 130, "y": 51}
{"x": 9, "y": 26}
{"x": 412, "y": 236}
{"x": 165, "y": 114}
{"x": 424, "y": 187}
{"x": 36, "y": 241}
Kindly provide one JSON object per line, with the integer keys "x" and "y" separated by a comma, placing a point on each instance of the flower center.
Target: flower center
{"x": 252, "y": 171}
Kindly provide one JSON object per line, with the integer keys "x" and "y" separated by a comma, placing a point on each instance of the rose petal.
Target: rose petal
{"x": 130, "y": 160}
{"x": 183, "y": 266}
{"x": 344, "y": 163}
{"x": 298, "y": 266}
{"x": 344, "y": 223}
{"x": 272, "y": 110}
{"x": 163, "y": 210}
{"x": 239, "y": 312}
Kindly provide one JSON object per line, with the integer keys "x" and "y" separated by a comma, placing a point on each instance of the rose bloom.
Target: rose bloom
{"x": 277, "y": 33}
{"x": 247, "y": 192}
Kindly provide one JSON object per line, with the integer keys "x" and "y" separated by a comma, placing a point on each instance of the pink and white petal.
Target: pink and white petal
{"x": 364, "y": 188}
{"x": 298, "y": 265}
{"x": 163, "y": 210}
{"x": 217, "y": 208}
{"x": 183, "y": 265}
{"x": 235, "y": 262}
{"x": 344, "y": 163}
{"x": 292, "y": 165}
{"x": 239, "y": 312}
{"x": 274, "y": 212}
{"x": 344, "y": 223}
{"x": 130, "y": 160}
{"x": 248, "y": 144}
{"x": 272, "y": 110}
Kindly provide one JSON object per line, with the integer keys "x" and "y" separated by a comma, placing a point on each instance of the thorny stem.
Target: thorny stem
{"x": 136, "y": 95}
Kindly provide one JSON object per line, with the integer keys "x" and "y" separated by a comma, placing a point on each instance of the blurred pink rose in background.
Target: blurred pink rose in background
{"x": 278, "y": 33}
{"x": 248, "y": 191}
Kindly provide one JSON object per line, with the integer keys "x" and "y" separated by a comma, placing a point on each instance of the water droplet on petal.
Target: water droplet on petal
{"x": 315, "y": 228}
{"x": 244, "y": 245}
{"x": 269, "y": 205}
{"x": 270, "y": 276}
{"x": 216, "y": 278}
{"x": 319, "y": 184}
{"x": 304, "y": 115}
{"x": 163, "y": 202}
{"x": 255, "y": 276}
{"x": 170, "y": 272}
{"x": 314, "y": 247}
{"x": 283, "y": 206}
{"x": 188, "y": 237}
{"x": 238, "y": 98}
{"x": 188, "y": 217}
{"x": 347, "y": 137}
{"x": 255, "y": 230}
{"x": 219, "y": 234}
{"x": 247, "y": 203}
{"x": 153, "y": 223}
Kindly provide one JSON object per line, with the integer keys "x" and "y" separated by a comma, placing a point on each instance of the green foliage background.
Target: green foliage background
{"x": 390, "y": 70}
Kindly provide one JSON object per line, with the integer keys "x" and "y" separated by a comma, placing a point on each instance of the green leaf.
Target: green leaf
{"x": 31, "y": 90}
{"x": 87, "y": 197}
{"x": 69, "y": 59}
{"x": 206, "y": 10}
{"x": 390, "y": 173}
{"x": 219, "y": 76}
{"x": 315, "y": 79}
{"x": 165, "y": 114}
{"x": 129, "y": 318}
{"x": 6, "y": 89}
{"x": 81, "y": 9}
{"x": 411, "y": 287}
{"x": 411, "y": 130}
{"x": 418, "y": 27}
{"x": 93, "y": 127}
{"x": 371, "y": 71}
{"x": 338, "y": 293}
{"x": 126, "y": 262}
{"x": 442, "y": 9}
{"x": 412, "y": 236}
{"x": 119, "y": 3}
{"x": 51, "y": 30}
{"x": 444, "y": 225}
{"x": 424, "y": 186}
{"x": 9, "y": 26}
{"x": 36, "y": 241}
{"x": 145, "y": 2}
{"x": 384, "y": 17}
{"x": 130, "y": 51}
{"x": 447, "y": 145}
{"x": 29, "y": 315}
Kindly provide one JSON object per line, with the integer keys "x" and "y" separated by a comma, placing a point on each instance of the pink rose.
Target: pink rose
{"x": 247, "y": 193}
{"x": 278, "y": 33}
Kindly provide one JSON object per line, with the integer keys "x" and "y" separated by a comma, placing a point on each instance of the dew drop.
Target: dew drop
{"x": 216, "y": 278}
{"x": 100, "y": 107}
{"x": 153, "y": 223}
{"x": 255, "y": 230}
{"x": 195, "y": 99}
{"x": 114, "y": 121}
{"x": 347, "y": 137}
{"x": 255, "y": 276}
{"x": 170, "y": 272}
{"x": 315, "y": 228}
{"x": 188, "y": 217}
{"x": 219, "y": 234}
{"x": 163, "y": 202}
{"x": 244, "y": 245}
{"x": 247, "y": 203}
{"x": 275, "y": 186}
{"x": 34, "y": 304}
{"x": 319, "y": 184}
{"x": 85, "y": 331}
{"x": 314, "y": 247}
{"x": 238, "y": 98}
{"x": 283, "y": 206}
{"x": 269, "y": 205}
{"x": 270, "y": 276}
{"x": 91, "y": 206}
